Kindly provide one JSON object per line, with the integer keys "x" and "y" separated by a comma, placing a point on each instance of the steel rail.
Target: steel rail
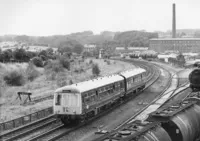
{"x": 69, "y": 130}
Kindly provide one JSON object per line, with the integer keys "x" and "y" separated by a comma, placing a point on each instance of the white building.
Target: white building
{"x": 89, "y": 47}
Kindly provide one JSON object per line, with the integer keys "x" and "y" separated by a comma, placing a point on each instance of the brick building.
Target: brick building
{"x": 183, "y": 45}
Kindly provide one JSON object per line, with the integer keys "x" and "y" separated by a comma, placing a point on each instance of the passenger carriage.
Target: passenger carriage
{"x": 134, "y": 79}
{"x": 86, "y": 99}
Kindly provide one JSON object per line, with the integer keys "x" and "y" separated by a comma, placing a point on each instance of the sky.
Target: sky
{"x": 55, "y": 17}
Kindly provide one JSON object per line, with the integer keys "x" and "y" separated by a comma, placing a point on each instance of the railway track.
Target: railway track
{"x": 143, "y": 114}
{"x": 28, "y": 129}
{"x": 55, "y": 134}
{"x": 53, "y": 129}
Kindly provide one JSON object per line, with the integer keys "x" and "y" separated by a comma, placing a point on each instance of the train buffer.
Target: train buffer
{"x": 28, "y": 94}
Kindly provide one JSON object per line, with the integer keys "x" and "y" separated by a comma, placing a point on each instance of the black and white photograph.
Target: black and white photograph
{"x": 99, "y": 70}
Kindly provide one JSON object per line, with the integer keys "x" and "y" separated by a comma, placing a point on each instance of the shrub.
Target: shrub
{"x": 95, "y": 70}
{"x": 71, "y": 82}
{"x": 14, "y": 78}
{"x": 79, "y": 70}
{"x": 31, "y": 72}
{"x": 61, "y": 79}
{"x": 54, "y": 66}
{"x": 108, "y": 62}
{"x": 37, "y": 61}
{"x": 91, "y": 62}
{"x": 65, "y": 62}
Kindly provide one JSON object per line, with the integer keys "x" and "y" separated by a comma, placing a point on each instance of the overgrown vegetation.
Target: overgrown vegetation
{"x": 31, "y": 72}
{"x": 65, "y": 62}
{"x": 37, "y": 61}
{"x": 95, "y": 70}
{"x": 14, "y": 78}
{"x": 61, "y": 79}
{"x": 54, "y": 66}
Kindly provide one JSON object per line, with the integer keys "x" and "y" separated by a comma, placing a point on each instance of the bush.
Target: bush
{"x": 37, "y": 61}
{"x": 108, "y": 62}
{"x": 31, "y": 72}
{"x": 95, "y": 70}
{"x": 54, "y": 66}
{"x": 14, "y": 78}
{"x": 65, "y": 62}
{"x": 91, "y": 62}
{"x": 71, "y": 82}
{"x": 61, "y": 79}
{"x": 79, "y": 70}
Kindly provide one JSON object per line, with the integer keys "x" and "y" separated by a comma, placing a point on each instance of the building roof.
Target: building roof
{"x": 174, "y": 39}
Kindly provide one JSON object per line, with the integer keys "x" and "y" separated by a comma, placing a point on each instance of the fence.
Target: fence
{"x": 25, "y": 119}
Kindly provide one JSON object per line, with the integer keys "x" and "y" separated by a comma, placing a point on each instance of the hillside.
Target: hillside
{"x": 104, "y": 39}
{"x": 10, "y": 105}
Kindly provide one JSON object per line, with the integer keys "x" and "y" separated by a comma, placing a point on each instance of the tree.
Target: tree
{"x": 181, "y": 60}
{"x": 87, "y": 54}
{"x": 65, "y": 62}
{"x": 22, "y": 38}
{"x": 19, "y": 54}
{"x": 49, "y": 51}
{"x": 37, "y": 61}
{"x": 43, "y": 52}
{"x": 64, "y": 50}
{"x": 7, "y": 55}
{"x": 95, "y": 70}
{"x": 78, "y": 48}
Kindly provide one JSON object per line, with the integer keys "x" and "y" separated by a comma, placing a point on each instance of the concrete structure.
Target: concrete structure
{"x": 183, "y": 45}
{"x": 174, "y": 21}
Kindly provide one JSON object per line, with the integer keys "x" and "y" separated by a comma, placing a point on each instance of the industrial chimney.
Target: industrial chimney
{"x": 174, "y": 21}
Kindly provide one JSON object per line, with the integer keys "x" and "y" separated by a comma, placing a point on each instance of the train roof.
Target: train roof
{"x": 132, "y": 72}
{"x": 91, "y": 84}
{"x": 100, "y": 81}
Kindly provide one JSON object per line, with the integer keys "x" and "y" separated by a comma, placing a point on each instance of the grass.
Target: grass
{"x": 42, "y": 86}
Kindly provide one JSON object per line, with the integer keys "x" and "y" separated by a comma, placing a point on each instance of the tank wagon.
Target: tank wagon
{"x": 81, "y": 101}
{"x": 138, "y": 131}
{"x": 177, "y": 122}
{"x": 182, "y": 120}
{"x": 194, "y": 78}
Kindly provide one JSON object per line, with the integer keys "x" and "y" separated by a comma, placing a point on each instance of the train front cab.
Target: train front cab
{"x": 67, "y": 105}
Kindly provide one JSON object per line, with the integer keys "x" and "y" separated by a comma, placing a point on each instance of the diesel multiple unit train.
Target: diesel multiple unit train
{"x": 86, "y": 99}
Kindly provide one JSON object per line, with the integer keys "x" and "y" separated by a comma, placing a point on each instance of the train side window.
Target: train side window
{"x": 84, "y": 95}
{"x": 121, "y": 84}
{"x": 58, "y": 100}
{"x": 96, "y": 93}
